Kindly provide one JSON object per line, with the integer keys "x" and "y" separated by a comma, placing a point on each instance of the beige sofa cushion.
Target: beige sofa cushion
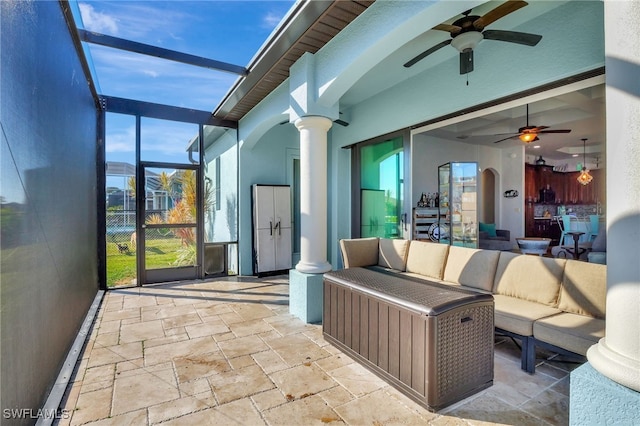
{"x": 427, "y": 259}
{"x": 517, "y": 315}
{"x": 584, "y": 289}
{"x": 471, "y": 267}
{"x": 575, "y": 333}
{"x": 527, "y": 277}
{"x": 425, "y": 278}
{"x": 359, "y": 252}
{"x": 393, "y": 253}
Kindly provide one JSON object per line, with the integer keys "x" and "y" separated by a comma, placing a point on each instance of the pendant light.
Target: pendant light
{"x": 585, "y": 178}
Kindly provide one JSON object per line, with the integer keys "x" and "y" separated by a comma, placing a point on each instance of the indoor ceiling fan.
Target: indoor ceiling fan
{"x": 529, "y": 133}
{"x": 468, "y": 31}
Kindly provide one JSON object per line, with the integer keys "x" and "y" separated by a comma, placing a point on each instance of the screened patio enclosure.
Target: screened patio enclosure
{"x": 171, "y": 173}
{"x": 171, "y": 198}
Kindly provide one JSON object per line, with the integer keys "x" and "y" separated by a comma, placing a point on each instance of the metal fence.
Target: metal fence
{"x": 121, "y": 224}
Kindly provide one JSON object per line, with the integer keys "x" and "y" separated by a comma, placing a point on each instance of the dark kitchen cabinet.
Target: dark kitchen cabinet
{"x": 530, "y": 183}
{"x": 536, "y": 179}
{"x": 547, "y": 228}
{"x": 567, "y": 191}
{"x": 529, "y": 230}
{"x": 565, "y": 185}
{"x": 557, "y": 183}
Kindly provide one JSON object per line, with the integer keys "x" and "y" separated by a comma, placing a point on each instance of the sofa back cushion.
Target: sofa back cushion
{"x": 359, "y": 252}
{"x": 392, "y": 253}
{"x": 471, "y": 267}
{"x": 427, "y": 259}
{"x": 584, "y": 289}
{"x": 528, "y": 277}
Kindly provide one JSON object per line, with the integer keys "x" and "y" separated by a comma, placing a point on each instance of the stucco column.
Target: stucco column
{"x": 313, "y": 194}
{"x": 617, "y": 355}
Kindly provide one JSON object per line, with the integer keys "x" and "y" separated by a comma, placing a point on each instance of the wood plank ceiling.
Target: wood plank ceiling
{"x": 337, "y": 16}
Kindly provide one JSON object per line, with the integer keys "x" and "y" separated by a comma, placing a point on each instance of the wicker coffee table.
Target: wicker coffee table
{"x": 431, "y": 341}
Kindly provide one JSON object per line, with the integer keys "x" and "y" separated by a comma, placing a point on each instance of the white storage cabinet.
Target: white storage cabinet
{"x": 271, "y": 228}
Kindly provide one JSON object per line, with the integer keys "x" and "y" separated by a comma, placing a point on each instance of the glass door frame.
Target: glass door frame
{"x": 177, "y": 273}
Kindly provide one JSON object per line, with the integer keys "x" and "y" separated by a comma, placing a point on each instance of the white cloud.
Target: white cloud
{"x": 144, "y": 22}
{"x": 271, "y": 20}
{"x": 121, "y": 139}
{"x": 97, "y": 21}
{"x": 129, "y": 75}
{"x": 158, "y": 138}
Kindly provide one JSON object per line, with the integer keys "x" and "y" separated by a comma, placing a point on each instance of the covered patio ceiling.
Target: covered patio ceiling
{"x": 582, "y": 110}
{"x": 310, "y": 25}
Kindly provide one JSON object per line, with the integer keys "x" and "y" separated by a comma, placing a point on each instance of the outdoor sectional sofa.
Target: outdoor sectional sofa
{"x": 558, "y": 304}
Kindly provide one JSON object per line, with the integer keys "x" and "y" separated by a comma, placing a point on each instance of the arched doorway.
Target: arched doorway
{"x": 487, "y": 196}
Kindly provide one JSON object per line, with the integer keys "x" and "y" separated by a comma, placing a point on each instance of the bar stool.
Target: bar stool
{"x": 564, "y": 222}
{"x": 594, "y": 223}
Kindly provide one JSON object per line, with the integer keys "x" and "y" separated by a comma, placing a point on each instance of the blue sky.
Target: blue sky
{"x": 229, "y": 31}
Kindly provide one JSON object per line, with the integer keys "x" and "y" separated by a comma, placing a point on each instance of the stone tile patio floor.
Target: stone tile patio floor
{"x": 228, "y": 352}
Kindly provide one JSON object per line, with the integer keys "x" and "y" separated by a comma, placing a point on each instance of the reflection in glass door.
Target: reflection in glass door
{"x": 381, "y": 189}
{"x": 170, "y": 229}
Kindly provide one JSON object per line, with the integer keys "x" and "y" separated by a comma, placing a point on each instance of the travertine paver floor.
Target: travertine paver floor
{"x": 228, "y": 352}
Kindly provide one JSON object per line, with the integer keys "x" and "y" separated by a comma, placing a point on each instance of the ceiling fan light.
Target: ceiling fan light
{"x": 468, "y": 40}
{"x": 528, "y": 137}
{"x": 585, "y": 178}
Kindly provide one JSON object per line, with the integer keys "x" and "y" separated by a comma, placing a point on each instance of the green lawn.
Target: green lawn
{"x": 121, "y": 267}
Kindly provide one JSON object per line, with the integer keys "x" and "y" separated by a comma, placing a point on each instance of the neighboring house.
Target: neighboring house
{"x": 121, "y": 175}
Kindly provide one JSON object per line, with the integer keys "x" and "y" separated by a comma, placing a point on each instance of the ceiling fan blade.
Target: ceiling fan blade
{"x": 427, "y": 53}
{"x": 512, "y": 37}
{"x": 466, "y": 61}
{"x": 498, "y": 12}
{"x": 556, "y": 131}
{"x": 510, "y": 137}
{"x": 448, "y": 28}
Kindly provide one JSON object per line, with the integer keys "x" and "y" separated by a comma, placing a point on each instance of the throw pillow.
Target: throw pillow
{"x": 489, "y": 228}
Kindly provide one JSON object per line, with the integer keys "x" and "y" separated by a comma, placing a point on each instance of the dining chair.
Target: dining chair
{"x": 594, "y": 223}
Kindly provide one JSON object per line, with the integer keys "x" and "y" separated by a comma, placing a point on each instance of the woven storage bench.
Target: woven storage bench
{"x": 431, "y": 341}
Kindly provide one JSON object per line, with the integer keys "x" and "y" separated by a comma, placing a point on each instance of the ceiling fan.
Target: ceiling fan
{"x": 468, "y": 31}
{"x": 529, "y": 133}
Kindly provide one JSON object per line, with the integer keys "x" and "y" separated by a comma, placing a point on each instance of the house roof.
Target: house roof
{"x": 307, "y": 28}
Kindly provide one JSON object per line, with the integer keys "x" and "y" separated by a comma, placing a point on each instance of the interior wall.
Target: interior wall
{"x": 264, "y": 163}
{"x": 508, "y": 164}
{"x": 510, "y": 215}
{"x": 49, "y": 205}
{"x": 429, "y": 152}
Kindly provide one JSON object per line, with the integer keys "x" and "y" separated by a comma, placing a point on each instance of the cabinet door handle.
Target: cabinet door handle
{"x": 271, "y": 228}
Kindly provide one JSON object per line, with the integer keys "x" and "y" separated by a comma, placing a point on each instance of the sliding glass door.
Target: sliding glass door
{"x": 381, "y": 176}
